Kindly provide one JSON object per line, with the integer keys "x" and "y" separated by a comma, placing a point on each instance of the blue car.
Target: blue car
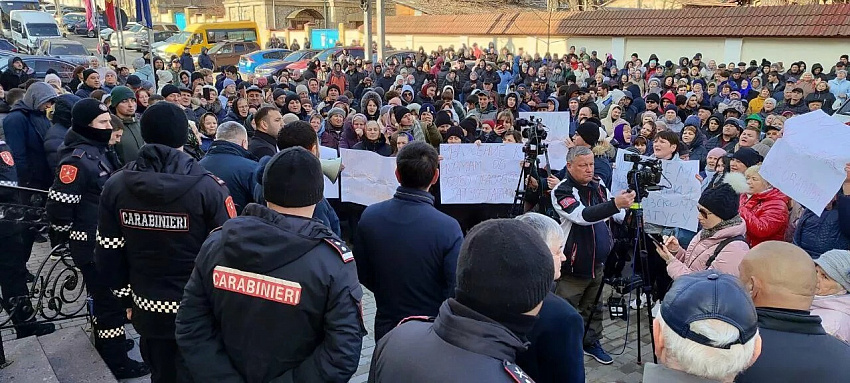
{"x": 248, "y": 62}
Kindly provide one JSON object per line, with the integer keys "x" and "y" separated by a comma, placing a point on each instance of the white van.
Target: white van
{"x": 30, "y": 26}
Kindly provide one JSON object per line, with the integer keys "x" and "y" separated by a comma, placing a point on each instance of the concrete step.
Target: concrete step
{"x": 74, "y": 358}
{"x": 28, "y": 363}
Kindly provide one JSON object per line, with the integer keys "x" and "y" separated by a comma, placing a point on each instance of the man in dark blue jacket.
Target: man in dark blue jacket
{"x": 406, "y": 249}
{"x": 61, "y": 123}
{"x": 584, "y": 206}
{"x": 229, "y": 159}
{"x": 26, "y": 127}
{"x": 783, "y": 281}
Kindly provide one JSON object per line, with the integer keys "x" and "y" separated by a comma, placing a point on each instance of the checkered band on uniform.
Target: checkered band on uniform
{"x": 61, "y": 228}
{"x": 64, "y": 197}
{"x": 110, "y": 333}
{"x": 79, "y": 236}
{"x": 123, "y": 292}
{"x": 8, "y": 183}
{"x": 165, "y": 307}
{"x": 110, "y": 242}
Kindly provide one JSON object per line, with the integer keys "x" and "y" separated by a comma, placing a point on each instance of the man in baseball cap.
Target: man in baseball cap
{"x": 707, "y": 330}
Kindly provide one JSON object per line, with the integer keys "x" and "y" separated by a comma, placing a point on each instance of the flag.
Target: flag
{"x": 89, "y": 15}
{"x": 143, "y": 13}
{"x": 110, "y": 14}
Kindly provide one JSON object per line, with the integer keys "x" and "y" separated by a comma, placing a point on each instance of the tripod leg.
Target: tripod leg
{"x": 593, "y": 310}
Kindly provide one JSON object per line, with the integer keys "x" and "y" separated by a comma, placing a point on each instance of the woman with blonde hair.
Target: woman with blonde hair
{"x": 763, "y": 208}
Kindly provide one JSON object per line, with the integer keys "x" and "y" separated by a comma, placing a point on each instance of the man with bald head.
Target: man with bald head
{"x": 782, "y": 281}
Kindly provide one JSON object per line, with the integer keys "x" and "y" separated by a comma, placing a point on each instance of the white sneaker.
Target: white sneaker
{"x": 633, "y": 303}
{"x": 656, "y": 309}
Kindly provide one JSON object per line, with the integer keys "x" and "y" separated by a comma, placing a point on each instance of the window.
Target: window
{"x": 16, "y": 26}
{"x": 239, "y": 48}
{"x": 225, "y": 49}
{"x": 241, "y": 34}
{"x": 64, "y": 70}
{"x": 197, "y": 38}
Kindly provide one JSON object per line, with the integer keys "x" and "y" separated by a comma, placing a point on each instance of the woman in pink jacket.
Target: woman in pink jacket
{"x": 832, "y": 302}
{"x": 721, "y": 244}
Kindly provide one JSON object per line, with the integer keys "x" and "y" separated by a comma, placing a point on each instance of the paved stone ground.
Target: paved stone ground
{"x": 624, "y": 369}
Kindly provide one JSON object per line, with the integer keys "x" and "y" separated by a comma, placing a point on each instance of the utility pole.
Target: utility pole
{"x": 382, "y": 37}
{"x": 367, "y": 27}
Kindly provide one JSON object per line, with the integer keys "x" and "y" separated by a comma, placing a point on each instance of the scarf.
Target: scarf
{"x": 708, "y": 233}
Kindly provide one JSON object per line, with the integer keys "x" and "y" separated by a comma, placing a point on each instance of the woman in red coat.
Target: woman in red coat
{"x": 764, "y": 209}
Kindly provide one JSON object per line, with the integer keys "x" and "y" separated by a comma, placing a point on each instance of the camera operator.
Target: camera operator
{"x": 584, "y": 205}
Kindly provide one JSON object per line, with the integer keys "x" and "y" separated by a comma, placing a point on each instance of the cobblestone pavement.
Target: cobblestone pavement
{"x": 624, "y": 369}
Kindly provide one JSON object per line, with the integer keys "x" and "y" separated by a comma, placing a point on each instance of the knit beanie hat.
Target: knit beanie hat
{"x": 133, "y": 80}
{"x": 121, "y": 93}
{"x": 504, "y": 267}
{"x": 653, "y": 97}
{"x": 168, "y": 90}
{"x": 443, "y": 117}
{"x": 762, "y": 149}
{"x": 166, "y": 124}
{"x": 293, "y": 178}
{"x": 399, "y": 112}
{"x": 589, "y": 132}
{"x": 723, "y": 199}
{"x": 427, "y": 107}
{"x": 277, "y": 93}
{"x": 671, "y": 107}
{"x": 335, "y": 111}
{"x": 302, "y": 89}
{"x": 164, "y": 76}
{"x": 196, "y": 76}
{"x": 456, "y": 131}
{"x": 83, "y": 113}
{"x": 469, "y": 124}
{"x": 748, "y": 156}
{"x": 836, "y": 265}
{"x": 717, "y": 152}
{"x": 87, "y": 73}
{"x": 227, "y": 82}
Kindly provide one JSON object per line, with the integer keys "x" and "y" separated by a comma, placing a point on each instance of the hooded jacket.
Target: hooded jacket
{"x": 186, "y": 62}
{"x": 204, "y": 60}
{"x": 376, "y": 98}
{"x": 11, "y": 77}
{"x": 154, "y": 215}
{"x": 26, "y": 128}
{"x": 312, "y": 334}
{"x": 467, "y": 347}
{"x": 766, "y": 215}
{"x": 131, "y": 141}
{"x": 61, "y": 123}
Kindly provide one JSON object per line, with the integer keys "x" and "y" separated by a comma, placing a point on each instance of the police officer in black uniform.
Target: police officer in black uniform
{"x": 274, "y": 295}
{"x": 13, "y": 261}
{"x": 72, "y": 210}
{"x": 154, "y": 215}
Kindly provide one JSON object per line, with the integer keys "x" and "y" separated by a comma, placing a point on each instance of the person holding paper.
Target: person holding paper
{"x": 584, "y": 205}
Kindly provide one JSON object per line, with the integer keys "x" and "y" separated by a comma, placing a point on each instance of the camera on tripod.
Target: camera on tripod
{"x": 645, "y": 174}
{"x": 534, "y": 132}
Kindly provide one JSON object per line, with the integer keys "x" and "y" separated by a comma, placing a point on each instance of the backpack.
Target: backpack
{"x": 720, "y": 247}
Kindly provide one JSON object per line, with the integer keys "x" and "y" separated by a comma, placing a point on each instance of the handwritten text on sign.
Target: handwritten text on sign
{"x": 676, "y": 204}
{"x": 487, "y": 173}
{"x": 368, "y": 177}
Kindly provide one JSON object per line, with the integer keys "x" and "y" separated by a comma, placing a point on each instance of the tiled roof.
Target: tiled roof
{"x": 462, "y": 7}
{"x": 782, "y": 21}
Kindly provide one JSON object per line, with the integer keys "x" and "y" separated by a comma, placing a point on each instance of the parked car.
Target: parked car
{"x": 227, "y": 53}
{"x": 158, "y": 36}
{"x": 274, "y": 67}
{"x": 80, "y": 28}
{"x": 69, "y": 50}
{"x": 248, "y": 62}
{"x": 330, "y": 54}
{"x": 109, "y": 32}
{"x": 40, "y": 64}
{"x": 399, "y": 55}
{"x": 138, "y": 32}
{"x": 5, "y": 45}
{"x": 69, "y": 20}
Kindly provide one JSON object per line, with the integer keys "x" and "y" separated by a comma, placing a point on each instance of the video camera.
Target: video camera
{"x": 644, "y": 176}
{"x": 534, "y": 132}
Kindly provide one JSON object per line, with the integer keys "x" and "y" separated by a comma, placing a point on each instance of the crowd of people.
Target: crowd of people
{"x": 192, "y": 202}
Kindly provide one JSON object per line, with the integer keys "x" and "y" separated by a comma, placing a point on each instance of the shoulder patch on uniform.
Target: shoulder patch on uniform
{"x": 67, "y": 174}
{"x": 79, "y": 153}
{"x": 343, "y": 250}
{"x": 566, "y": 202}
{"x": 517, "y": 373}
{"x": 231, "y": 207}
{"x": 7, "y": 158}
{"x": 417, "y": 318}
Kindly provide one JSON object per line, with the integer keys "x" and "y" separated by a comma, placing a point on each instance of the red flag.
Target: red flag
{"x": 110, "y": 14}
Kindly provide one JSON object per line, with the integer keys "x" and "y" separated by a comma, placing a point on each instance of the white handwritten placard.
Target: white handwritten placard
{"x": 331, "y": 188}
{"x": 486, "y": 173}
{"x": 676, "y": 204}
{"x": 558, "y": 123}
{"x": 368, "y": 177}
{"x": 804, "y": 165}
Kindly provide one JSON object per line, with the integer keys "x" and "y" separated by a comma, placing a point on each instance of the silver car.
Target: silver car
{"x": 138, "y": 32}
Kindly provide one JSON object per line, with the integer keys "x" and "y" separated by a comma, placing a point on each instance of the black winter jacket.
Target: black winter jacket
{"x": 154, "y": 215}
{"x": 272, "y": 296}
